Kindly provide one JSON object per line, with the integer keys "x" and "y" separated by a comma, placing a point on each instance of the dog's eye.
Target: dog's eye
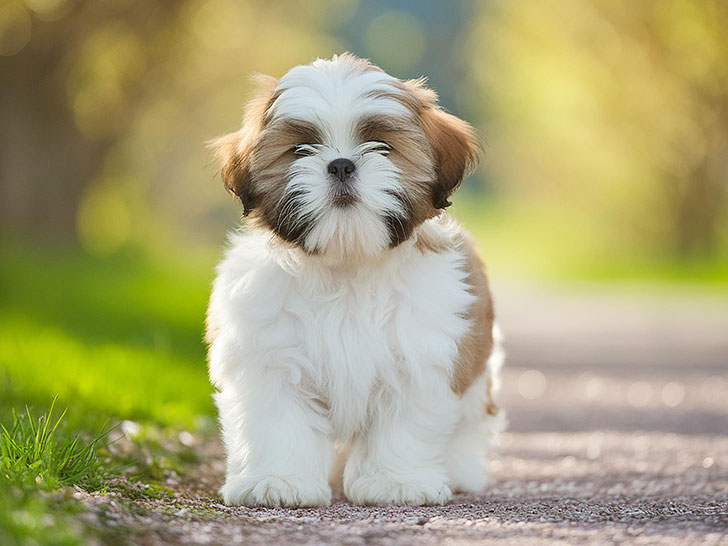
{"x": 379, "y": 146}
{"x": 304, "y": 150}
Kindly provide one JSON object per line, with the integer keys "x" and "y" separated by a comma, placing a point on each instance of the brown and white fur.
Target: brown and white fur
{"x": 351, "y": 325}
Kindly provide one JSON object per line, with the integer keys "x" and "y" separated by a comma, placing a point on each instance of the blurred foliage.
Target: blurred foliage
{"x": 110, "y": 104}
{"x": 120, "y": 337}
{"x": 606, "y": 122}
{"x": 30, "y": 519}
{"x": 613, "y": 114}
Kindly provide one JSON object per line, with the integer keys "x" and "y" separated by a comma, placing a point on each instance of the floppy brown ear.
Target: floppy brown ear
{"x": 455, "y": 147}
{"x": 234, "y": 159}
{"x": 234, "y": 150}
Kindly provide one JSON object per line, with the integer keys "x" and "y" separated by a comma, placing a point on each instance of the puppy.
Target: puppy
{"x": 350, "y": 326}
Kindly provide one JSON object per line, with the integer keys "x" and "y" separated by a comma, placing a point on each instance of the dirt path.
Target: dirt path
{"x": 618, "y": 410}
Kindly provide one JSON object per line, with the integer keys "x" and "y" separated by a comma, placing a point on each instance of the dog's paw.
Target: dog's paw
{"x": 467, "y": 475}
{"x": 379, "y": 490}
{"x": 275, "y": 491}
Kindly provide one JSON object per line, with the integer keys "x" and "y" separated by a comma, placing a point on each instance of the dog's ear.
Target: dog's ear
{"x": 234, "y": 151}
{"x": 233, "y": 154}
{"x": 454, "y": 143}
{"x": 455, "y": 148}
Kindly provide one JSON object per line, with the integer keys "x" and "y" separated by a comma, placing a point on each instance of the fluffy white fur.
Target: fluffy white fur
{"x": 308, "y": 355}
{"x": 352, "y": 347}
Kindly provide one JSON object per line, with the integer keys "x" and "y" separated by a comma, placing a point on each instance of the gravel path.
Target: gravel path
{"x": 618, "y": 411}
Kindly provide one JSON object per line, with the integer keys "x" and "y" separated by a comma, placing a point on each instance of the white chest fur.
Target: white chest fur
{"x": 350, "y": 339}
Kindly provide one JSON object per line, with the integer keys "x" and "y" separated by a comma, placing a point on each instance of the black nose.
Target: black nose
{"x": 341, "y": 168}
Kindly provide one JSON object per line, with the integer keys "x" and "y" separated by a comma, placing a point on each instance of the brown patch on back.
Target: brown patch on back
{"x": 438, "y": 235}
{"x": 475, "y": 347}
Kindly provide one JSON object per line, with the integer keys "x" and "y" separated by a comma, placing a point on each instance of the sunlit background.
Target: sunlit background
{"x": 606, "y": 158}
{"x": 606, "y": 166}
{"x": 606, "y": 124}
{"x": 600, "y": 205}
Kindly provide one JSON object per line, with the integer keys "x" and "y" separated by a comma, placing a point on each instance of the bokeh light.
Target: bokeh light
{"x": 15, "y": 28}
{"x": 49, "y": 10}
{"x": 673, "y": 394}
{"x": 532, "y": 384}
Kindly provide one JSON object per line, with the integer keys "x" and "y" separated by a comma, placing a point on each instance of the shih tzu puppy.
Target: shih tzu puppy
{"x": 350, "y": 328}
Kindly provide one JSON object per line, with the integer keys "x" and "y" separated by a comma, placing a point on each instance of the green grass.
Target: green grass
{"x": 120, "y": 337}
{"x": 31, "y": 452}
{"x": 39, "y": 454}
{"x": 114, "y": 339}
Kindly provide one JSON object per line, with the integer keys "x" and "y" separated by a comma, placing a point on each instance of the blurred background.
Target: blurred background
{"x": 606, "y": 125}
{"x": 600, "y": 204}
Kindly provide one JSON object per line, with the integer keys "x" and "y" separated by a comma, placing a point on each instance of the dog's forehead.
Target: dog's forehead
{"x": 337, "y": 91}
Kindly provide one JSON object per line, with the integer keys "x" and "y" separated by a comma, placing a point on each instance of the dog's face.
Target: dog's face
{"x": 342, "y": 159}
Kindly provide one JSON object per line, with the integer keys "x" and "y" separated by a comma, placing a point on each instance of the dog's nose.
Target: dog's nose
{"x": 341, "y": 168}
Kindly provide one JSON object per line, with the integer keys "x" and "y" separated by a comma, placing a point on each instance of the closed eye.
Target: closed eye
{"x": 305, "y": 150}
{"x": 376, "y": 146}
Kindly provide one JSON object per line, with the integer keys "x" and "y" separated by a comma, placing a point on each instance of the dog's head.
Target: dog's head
{"x": 340, "y": 158}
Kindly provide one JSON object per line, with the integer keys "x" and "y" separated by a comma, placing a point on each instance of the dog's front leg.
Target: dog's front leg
{"x": 276, "y": 442}
{"x": 400, "y": 458}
